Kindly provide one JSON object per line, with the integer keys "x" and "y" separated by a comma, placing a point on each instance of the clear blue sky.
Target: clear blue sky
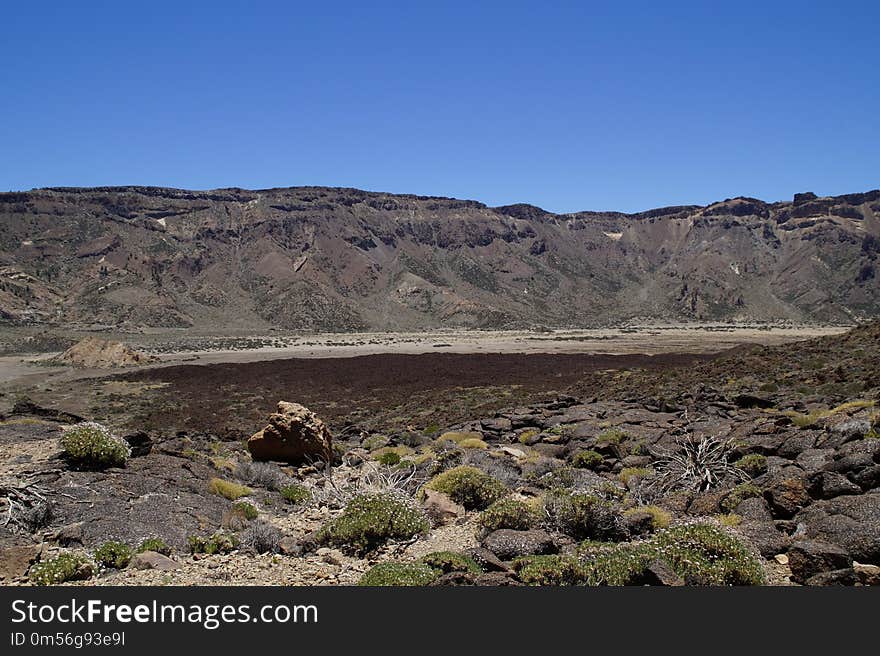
{"x": 582, "y": 105}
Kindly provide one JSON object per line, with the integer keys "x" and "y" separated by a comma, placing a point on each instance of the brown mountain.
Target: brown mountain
{"x": 343, "y": 259}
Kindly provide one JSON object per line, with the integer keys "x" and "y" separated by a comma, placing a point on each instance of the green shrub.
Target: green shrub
{"x": 398, "y": 574}
{"x": 296, "y": 493}
{"x": 583, "y": 516}
{"x": 709, "y": 555}
{"x": 369, "y": 520}
{"x": 472, "y": 488}
{"x": 754, "y": 464}
{"x": 619, "y": 564}
{"x": 154, "y": 544}
{"x": 245, "y": 510}
{"x": 549, "y": 570}
{"x": 113, "y": 555}
{"x": 611, "y": 436}
{"x": 92, "y": 445}
{"x": 218, "y": 543}
{"x": 228, "y": 489}
{"x": 587, "y": 459}
{"x": 629, "y": 473}
{"x": 508, "y": 513}
{"x": 730, "y": 520}
{"x": 702, "y": 554}
{"x": 389, "y": 458}
{"x": 659, "y": 517}
{"x": 451, "y": 561}
{"x": 62, "y": 568}
{"x": 739, "y": 494}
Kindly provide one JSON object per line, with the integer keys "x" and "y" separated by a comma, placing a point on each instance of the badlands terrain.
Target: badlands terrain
{"x": 686, "y": 455}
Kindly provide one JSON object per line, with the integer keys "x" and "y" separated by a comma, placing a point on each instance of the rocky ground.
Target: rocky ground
{"x": 777, "y": 449}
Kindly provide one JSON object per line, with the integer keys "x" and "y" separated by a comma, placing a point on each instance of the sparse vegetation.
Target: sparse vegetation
{"x": 469, "y": 486}
{"x": 739, "y": 494}
{"x": 154, "y": 544}
{"x": 264, "y": 474}
{"x": 218, "y": 543}
{"x": 113, "y": 555}
{"x": 64, "y": 567}
{"x": 810, "y": 419}
{"x": 695, "y": 464}
{"x": 659, "y": 518}
{"x": 370, "y": 520}
{"x": 228, "y": 489}
{"x": 552, "y": 570}
{"x": 389, "y": 458}
{"x": 261, "y": 537}
{"x": 398, "y": 574}
{"x": 473, "y": 443}
{"x": 451, "y": 561}
{"x": 610, "y": 436}
{"x": 583, "y": 516}
{"x": 628, "y": 474}
{"x": 588, "y": 459}
{"x": 92, "y": 445}
{"x": 245, "y": 510}
{"x": 753, "y": 464}
{"x": 295, "y": 493}
{"x": 508, "y": 513}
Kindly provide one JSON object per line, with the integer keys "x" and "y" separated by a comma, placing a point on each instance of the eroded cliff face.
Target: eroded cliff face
{"x": 343, "y": 259}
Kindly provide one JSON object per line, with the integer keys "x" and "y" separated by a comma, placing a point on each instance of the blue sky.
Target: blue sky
{"x": 570, "y": 106}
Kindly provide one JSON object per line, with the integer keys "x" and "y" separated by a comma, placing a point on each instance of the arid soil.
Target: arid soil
{"x": 801, "y": 417}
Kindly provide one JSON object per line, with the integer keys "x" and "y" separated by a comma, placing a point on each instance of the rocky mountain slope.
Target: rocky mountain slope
{"x": 343, "y": 259}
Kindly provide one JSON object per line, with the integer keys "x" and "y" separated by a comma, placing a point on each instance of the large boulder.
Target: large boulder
{"x": 508, "y": 544}
{"x": 295, "y": 435}
{"x": 850, "y": 521}
{"x": 808, "y": 558}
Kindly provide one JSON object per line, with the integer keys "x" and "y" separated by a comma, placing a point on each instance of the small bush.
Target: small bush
{"x": 113, "y": 555}
{"x": 398, "y": 574}
{"x": 472, "y": 488}
{"x": 611, "y": 436}
{"x": 549, "y": 570}
{"x": 228, "y": 489}
{"x": 245, "y": 510}
{"x": 460, "y": 436}
{"x": 708, "y": 555}
{"x": 62, "y": 568}
{"x": 389, "y": 458}
{"x": 473, "y": 443}
{"x": 93, "y": 446}
{"x": 583, "y": 516}
{"x": 702, "y": 554}
{"x": 370, "y": 520}
{"x": 451, "y": 561}
{"x": 296, "y": 493}
{"x": 628, "y": 474}
{"x": 261, "y": 537}
{"x": 739, "y": 494}
{"x": 587, "y": 459}
{"x": 264, "y": 474}
{"x": 528, "y": 435}
{"x": 659, "y": 517}
{"x": 729, "y": 520}
{"x": 508, "y": 513}
{"x": 154, "y": 544}
{"x": 218, "y": 543}
{"x": 754, "y": 464}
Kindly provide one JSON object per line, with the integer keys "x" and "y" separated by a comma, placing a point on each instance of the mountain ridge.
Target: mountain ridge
{"x": 342, "y": 259}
